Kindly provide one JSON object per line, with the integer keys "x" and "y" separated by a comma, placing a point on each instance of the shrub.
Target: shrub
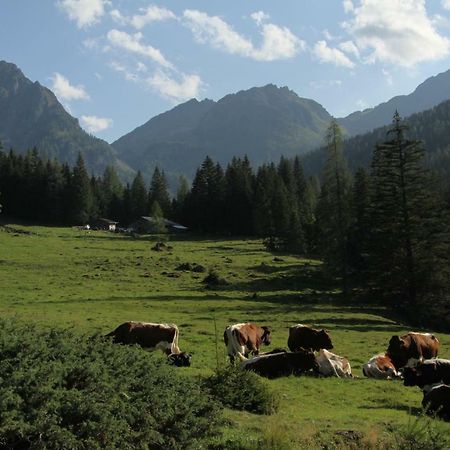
{"x": 59, "y": 390}
{"x": 421, "y": 433}
{"x": 242, "y": 390}
{"x": 214, "y": 279}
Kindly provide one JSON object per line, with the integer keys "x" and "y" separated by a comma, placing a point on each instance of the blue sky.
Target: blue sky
{"x": 114, "y": 64}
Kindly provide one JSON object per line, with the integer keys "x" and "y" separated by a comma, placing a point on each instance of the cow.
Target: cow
{"x": 278, "y": 365}
{"x": 427, "y": 373}
{"x": 331, "y": 365}
{"x": 244, "y": 338}
{"x": 152, "y": 336}
{"x": 412, "y": 346}
{"x": 302, "y": 336}
{"x": 436, "y": 401}
{"x": 380, "y": 367}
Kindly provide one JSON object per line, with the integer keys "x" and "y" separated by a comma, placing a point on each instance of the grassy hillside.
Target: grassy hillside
{"x": 94, "y": 281}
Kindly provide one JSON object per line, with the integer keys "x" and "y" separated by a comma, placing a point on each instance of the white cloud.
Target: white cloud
{"x": 327, "y": 54}
{"x": 277, "y": 42}
{"x": 388, "y": 77}
{"x": 446, "y": 4}
{"x": 350, "y": 48}
{"x": 148, "y": 15}
{"x": 396, "y": 31}
{"x": 65, "y": 91}
{"x": 84, "y": 12}
{"x": 189, "y": 86}
{"x": 91, "y": 43}
{"x": 348, "y": 5}
{"x": 259, "y": 17}
{"x": 94, "y": 124}
{"x": 128, "y": 74}
{"x": 132, "y": 43}
{"x": 151, "y": 14}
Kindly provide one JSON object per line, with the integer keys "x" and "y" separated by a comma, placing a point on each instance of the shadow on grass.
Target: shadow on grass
{"x": 411, "y": 410}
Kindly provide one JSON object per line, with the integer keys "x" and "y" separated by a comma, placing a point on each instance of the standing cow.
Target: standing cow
{"x": 152, "y": 336}
{"x": 244, "y": 338}
{"x": 302, "y": 336}
{"x": 412, "y": 346}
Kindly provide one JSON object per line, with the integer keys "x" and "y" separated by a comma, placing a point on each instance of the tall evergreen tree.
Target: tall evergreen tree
{"x": 333, "y": 208}
{"x": 80, "y": 193}
{"x": 158, "y": 192}
{"x": 138, "y": 198}
{"x": 403, "y": 217}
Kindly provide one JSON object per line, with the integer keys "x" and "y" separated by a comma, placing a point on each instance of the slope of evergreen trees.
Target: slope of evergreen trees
{"x": 384, "y": 232}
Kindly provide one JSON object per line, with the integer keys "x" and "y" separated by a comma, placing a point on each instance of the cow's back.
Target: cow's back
{"x": 427, "y": 345}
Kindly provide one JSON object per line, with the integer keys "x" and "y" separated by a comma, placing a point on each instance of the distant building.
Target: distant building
{"x": 147, "y": 224}
{"x": 104, "y": 224}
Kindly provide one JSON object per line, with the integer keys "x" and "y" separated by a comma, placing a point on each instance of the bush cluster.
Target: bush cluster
{"x": 242, "y": 390}
{"x": 59, "y": 390}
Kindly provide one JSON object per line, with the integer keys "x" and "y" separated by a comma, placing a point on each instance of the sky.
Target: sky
{"x": 114, "y": 64}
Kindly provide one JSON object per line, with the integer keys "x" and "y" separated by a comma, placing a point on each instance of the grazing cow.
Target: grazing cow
{"x": 380, "y": 367}
{"x": 152, "y": 336}
{"x": 302, "y": 336}
{"x": 331, "y": 365}
{"x": 244, "y": 338}
{"x": 412, "y": 346}
{"x": 436, "y": 401}
{"x": 427, "y": 373}
{"x": 281, "y": 364}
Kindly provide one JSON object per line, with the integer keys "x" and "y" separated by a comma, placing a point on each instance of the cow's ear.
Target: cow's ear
{"x": 323, "y": 331}
{"x": 394, "y": 340}
{"x": 267, "y": 329}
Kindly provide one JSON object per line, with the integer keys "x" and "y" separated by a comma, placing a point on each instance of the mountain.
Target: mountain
{"x": 262, "y": 122}
{"x": 431, "y": 126}
{"x": 430, "y": 93}
{"x": 31, "y": 116}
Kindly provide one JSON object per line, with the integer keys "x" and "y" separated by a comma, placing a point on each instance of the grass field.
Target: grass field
{"x": 94, "y": 281}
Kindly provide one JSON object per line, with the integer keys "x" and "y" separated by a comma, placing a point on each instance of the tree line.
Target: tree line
{"x": 383, "y": 231}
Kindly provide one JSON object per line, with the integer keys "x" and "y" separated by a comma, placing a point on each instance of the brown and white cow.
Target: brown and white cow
{"x": 242, "y": 339}
{"x": 331, "y": 365}
{"x": 283, "y": 364}
{"x": 152, "y": 336}
{"x": 302, "y": 336}
{"x": 412, "y": 346}
{"x": 380, "y": 367}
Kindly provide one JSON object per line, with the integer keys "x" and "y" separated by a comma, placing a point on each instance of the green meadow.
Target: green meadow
{"x": 93, "y": 281}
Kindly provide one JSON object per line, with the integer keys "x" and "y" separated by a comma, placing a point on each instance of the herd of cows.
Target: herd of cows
{"x": 412, "y": 357}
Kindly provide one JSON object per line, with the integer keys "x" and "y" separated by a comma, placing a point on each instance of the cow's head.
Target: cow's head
{"x": 325, "y": 340}
{"x": 182, "y": 359}
{"x": 266, "y": 337}
{"x": 398, "y": 351}
{"x": 410, "y": 376}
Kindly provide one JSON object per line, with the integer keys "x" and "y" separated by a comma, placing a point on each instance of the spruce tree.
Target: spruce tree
{"x": 158, "y": 192}
{"x": 333, "y": 208}
{"x": 404, "y": 219}
{"x": 80, "y": 193}
{"x": 138, "y": 198}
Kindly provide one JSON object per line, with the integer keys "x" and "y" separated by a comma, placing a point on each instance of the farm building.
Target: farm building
{"x": 148, "y": 224}
{"x": 104, "y": 224}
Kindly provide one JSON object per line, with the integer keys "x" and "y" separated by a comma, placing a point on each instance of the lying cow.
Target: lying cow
{"x": 302, "y": 336}
{"x": 152, "y": 336}
{"x": 244, "y": 338}
{"x": 427, "y": 373}
{"x": 436, "y": 401}
{"x": 412, "y": 346}
{"x": 331, "y": 365}
{"x": 281, "y": 364}
{"x": 380, "y": 367}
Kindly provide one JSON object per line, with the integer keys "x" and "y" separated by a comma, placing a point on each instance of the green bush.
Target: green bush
{"x": 421, "y": 433}
{"x": 59, "y": 390}
{"x": 242, "y": 390}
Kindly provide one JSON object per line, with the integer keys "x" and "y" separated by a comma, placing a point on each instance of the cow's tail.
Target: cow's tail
{"x": 174, "y": 346}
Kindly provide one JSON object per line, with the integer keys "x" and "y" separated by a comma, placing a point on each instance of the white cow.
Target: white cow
{"x": 331, "y": 365}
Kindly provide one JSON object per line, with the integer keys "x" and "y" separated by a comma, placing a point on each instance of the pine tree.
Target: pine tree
{"x": 80, "y": 193}
{"x": 333, "y": 208}
{"x": 404, "y": 219}
{"x": 158, "y": 218}
{"x": 158, "y": 192}
{"x": 138, "y": 198}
